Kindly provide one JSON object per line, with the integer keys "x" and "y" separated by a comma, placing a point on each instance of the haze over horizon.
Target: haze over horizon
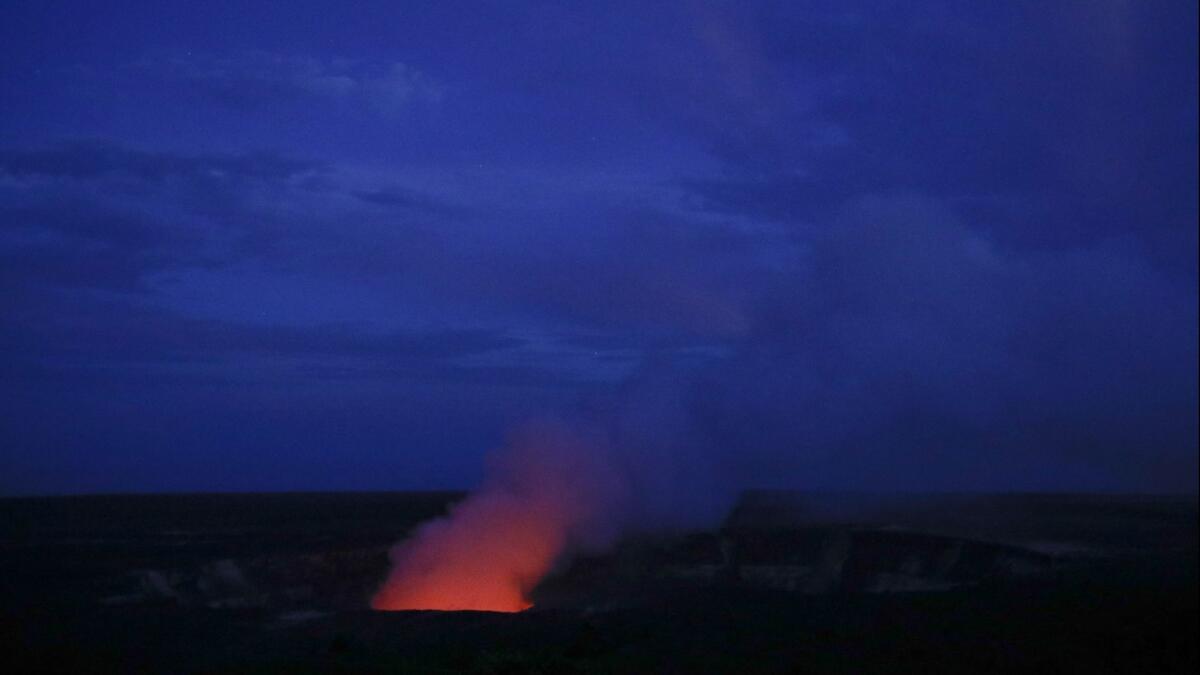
{"x": 870, "y": 246}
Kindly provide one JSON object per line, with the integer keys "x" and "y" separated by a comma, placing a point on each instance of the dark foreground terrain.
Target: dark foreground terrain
{"x": 791, "y": 584}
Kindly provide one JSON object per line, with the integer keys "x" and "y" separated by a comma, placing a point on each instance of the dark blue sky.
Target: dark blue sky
{"x": 867, "y": 245}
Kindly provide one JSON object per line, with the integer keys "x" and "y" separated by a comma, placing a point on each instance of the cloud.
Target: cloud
{"x": 55, "y": 332}
{"x": 255, "y": 80}
{"x": 116, "y": 258}
{"x": 911, "y": 351}
{"x": 994, "y": 278}
{"x": 403, "y": 199}
{"x": 71, "y": 242}
{"x": 92, "y": 160}
{"x": 873, "y": 247}
{"x": 1074, "y": 117}
{"x": 102, "y": 216}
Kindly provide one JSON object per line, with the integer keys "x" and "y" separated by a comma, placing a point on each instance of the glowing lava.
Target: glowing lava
{"x": 548, "y": 491}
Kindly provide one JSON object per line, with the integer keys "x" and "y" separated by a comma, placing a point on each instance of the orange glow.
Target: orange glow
{"x": 493, "y": 548}
{"x": 488, "y": 555}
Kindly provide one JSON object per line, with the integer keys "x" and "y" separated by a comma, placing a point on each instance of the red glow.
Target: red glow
{"x": 493, "y": 548}
{"x": 487, "y": 556}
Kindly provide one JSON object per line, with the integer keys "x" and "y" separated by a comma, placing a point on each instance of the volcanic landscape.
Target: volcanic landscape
{"x": 789, "y": 583}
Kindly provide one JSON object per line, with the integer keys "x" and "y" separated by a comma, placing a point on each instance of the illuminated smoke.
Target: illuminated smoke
{"x": 550, "y": 492}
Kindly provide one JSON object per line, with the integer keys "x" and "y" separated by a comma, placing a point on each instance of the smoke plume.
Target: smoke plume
{"x": 551, "y": 491}
{"x": 905, "y": 351}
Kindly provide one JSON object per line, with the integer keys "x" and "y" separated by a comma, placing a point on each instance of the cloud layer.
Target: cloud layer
{"x": 857, "y": 245}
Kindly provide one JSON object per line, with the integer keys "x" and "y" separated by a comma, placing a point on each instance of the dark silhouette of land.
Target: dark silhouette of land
{"x": 789, "y": 583}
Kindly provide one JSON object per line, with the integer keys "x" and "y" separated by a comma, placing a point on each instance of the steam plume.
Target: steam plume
{"x": 550, "y": 491}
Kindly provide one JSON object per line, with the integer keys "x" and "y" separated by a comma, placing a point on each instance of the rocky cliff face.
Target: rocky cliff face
{"x": 810, "y": 560}
{"x": 321, "y": 554}
{"x": 807, "y": 560}
{"x": 322, "y": 581}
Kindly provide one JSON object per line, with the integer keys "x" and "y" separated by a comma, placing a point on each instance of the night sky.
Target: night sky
{"x": 823, "y": 245}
